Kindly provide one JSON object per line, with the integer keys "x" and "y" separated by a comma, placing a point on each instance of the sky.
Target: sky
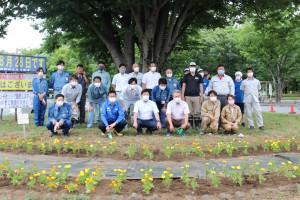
{"x": 20, "y": 35}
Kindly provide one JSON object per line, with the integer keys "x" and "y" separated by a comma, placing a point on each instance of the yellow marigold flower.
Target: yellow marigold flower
{"x": 232, "y": 167}
{"x": 119, "y": 181}
{"x": 91, "y": 146}
{"x": 93, "y": 188}
{"x": 283, "y": 163}
{"x": 165, "y": 172}
{"x": 290, "y": 162}
{"x": 68, "y": 166}
{"x": 37, "y": 174}
{"x": 115, "y": 170}
{"x": 207, "y": 164}
{"x": 59, "y": 166}
{"x": 143, "y": 180}
{"x": 31, "y": 178}
{"x": 242, "y": 158}
{"x": 95, "y": 174}
{"x": 163, "y": 176}
{"x": 76, "y": 185}
{"x": 168, "y": 168}
{"x": 150, "y": 178}
{"x": 213, "y": 172}
{"x": 263, "y": 169}
{"x": 224, "y": 161}
{"x": 52, "y": 178}
{"x": 48, "y": 178}
{"x": 295, "y": 168}
{"x": 270, "y": 164}
{"x": 44, "y": 172}
{"x": 142, "y": 170}
{"x": 77, "y": 180}
{"x": 150, "y": 170}
{"x": 181, "y": 167}
{"x": 66, "y": 187}
{"x": 238, "y": 167}
{"x": 51, "y": 185}
{"x": 257, "y": 163}
{"x": 187, "y": 166}
{"x": 220, "y": 173}
{"x": 57, "y": 173}
{"x": 171, "y": 175}
{"x": 87, "y": 170}
{"x": 104, "y": 147}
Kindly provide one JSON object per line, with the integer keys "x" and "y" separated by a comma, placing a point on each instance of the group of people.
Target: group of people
{"x": 147, "y": 100}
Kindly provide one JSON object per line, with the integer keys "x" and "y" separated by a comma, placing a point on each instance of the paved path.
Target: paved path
{"x": 197, "y": 166}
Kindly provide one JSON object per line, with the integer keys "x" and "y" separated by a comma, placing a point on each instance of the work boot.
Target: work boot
{"x": 262, "y": 128}
{"x": 117, "y": 134}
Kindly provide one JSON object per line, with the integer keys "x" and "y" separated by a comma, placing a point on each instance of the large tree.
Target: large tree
{"x": 153, "y": 25}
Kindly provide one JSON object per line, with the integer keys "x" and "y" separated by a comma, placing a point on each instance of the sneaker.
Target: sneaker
{"x": 53, "y": 133}
{"x": 243, "y": 124}
{"x": 149, "y": 132}
{"x": 240, "y": 135}
{"x": 197, "y": 128}
{"x": 66, "y": 133}
{"x": 109, "y": 135}
{"x": 168, "y": 134}
{"x": 234, "y": 133}
{"x": 262, "y": 128}
{"x": 201, "y": 133}
{"x": 251, "y": 127}
{"x": 102, "y": 134}
{"x": 117, "y": 134}
{"x": 138, "y": 133}
{"x": 227, "y": 133}
{"x": 211, "y": 133}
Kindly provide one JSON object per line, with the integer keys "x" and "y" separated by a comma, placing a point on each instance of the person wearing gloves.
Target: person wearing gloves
{"x": 210, "y": 113}
{"x": 172, "y": 82}
{"x": 177, "y": 113}
{"x": 59, "y": 78}
{"x": 96, "y": 97}
{"x": 250, "y": 88}
{"x": 59, "y": 115}
{"x": 161, "y": 96}
{"x": 120, "y": 80}
{"x": 150, "y": 79}
{"x": 112, "y": 116}
{"x": 72, "y": 92}
{"x": 239, "y": 95}
{"x": 129, "y": 96}
{"x": 136, "y": 74}
{"x": 40, "y": 91}
{"x": 105, "y": 77}
{"x": 231, "y": 116}
{"x": 143, "y": 114}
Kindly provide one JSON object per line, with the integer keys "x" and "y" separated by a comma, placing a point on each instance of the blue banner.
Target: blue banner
{"x": 19, "y": 63}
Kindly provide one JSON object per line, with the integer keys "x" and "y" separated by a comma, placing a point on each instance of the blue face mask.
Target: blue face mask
{"x": 122, "y": 71}
{"x": 221, "y": 72}
{"x": 101, "y": 68}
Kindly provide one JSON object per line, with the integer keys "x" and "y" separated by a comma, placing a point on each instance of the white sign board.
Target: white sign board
{"x": 16, "y": 99}
{"x": 23, "y": 119}
{"x": 270, "y": 89}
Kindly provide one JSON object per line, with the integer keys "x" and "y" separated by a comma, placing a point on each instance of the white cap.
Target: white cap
{"x": 186, "y": 69}
{"x": 192, "y": 63}
{"x": 199, "y": 70}
{"x": 238, "y": 73}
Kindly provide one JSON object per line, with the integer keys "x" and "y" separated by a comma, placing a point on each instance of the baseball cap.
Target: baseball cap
{"x": 192, "y": 63}
{"x": 186, "y": 69}
{"x": 199, "y": 70}
{"x": 238, "y": 73}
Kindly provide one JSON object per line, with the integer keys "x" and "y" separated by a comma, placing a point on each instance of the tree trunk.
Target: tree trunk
{"x": 279, "y": 84}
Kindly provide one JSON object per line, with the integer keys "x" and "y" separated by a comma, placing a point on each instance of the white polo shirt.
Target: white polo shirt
{"x": 145, "y": 109}
{"x": 120, "y": 81}
{"x": 177, "y": 111}
{"x": 251, "y": 88}
{"x": 151, "y": 79}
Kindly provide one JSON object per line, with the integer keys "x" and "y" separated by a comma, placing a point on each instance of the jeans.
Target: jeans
{"x": 162, "y": 115}
{"x": 95, "y": 114}
{"x": 65, "y": 127}
{"x": 129, "y": 105}
{"x": 119, "y": 127}
{"x": 39, "y": 110}
{"x": 81, "y": 106}
{"x": 149, "y": 124}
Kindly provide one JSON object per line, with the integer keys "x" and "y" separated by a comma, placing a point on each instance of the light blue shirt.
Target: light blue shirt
{"x": 59, "y": 114}
{"x": 59, "y": 79}
{"x": 138, "y": 76}
{"x": 105, "y": 78}
{"x": 160, "y": 96}
{"x": 112, "y": 113}
{"x": 39, "y": 86}
{"x": 173, "y": 84}
{"x": 97, "y": 95}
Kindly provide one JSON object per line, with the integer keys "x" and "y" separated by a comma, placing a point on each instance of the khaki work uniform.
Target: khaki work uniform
{"x": 210, "y": 115}
{"x": 230, "y": 115}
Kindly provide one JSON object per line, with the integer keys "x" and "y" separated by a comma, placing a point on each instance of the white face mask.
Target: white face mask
{"x": 213, "y": 98}
{"x": 162, "y": 87}
{"x": 145, "y": 98}
{"x": 40, "y": 74}
{"x": 59, "y": 103}
{"x": 169, "y": 75}
{"x": 192, "y": 69}
{"x": 132, "y": 87}
{"x": 153, "y": 69}
{"x": 177, "y": 100}
{"x": 73, "y": 83}
{"x": 202, "y": 74}
{"x": 97, "y": 84}
{"x": 60, "y": 67}
{"x": 230, "y": 102}
{"x": 238, "y": 78}
{"x": 112, "y": 99}
{"x": 250, "y": 74}
{"x": 136, "y": 69}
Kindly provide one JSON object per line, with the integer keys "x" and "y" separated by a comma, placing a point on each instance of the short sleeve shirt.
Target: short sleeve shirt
{"x": 251, "y": 88}
{"x": 151, "y": 79}
{"x": 145, "y": 110}
{"x": 120, "y": 81}
{"x": 177, "y": 110}
{"x": 192, "y": 84}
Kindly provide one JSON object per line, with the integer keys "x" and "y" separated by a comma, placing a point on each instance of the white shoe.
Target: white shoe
{"x": 240, "y": 135}
{"x": 201, "y": 133}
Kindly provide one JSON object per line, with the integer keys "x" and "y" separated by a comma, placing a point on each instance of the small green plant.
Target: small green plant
{"x": 194, "y": 184}
{"x": 147, "y": 152}
{"x": 168, "y": 151}
{"x": 132, "y": 149}
{"x": 167, "y": 177}
{"x": 185, "y": 175}
{"x": 147, "y": 181}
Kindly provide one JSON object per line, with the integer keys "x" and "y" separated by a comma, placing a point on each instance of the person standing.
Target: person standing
{"x": 136, "y": 74}
{"x": 84, "y": 82}
{"x": 59, "y": 78}
{"x": 120, "y": 80}
{"x": 144, "y": 110}
{"x": 96, "y": 97}
{"x": 59, "y": 114}
{"x": 177, "y": 113}
{"x": 161, "y": 96}
{"x": 150, "y": 79}
{"x": 40, "y": 91}
{"x": 105, "y": 77}
{"x": 231, "y": 116}
{"x": 112, "y": 116}
{"x": 130, "y": 95}
{"x": 192, "y": 93}
{"x": 250, "y": 88}
{"x": 239, "y": 95}
{"x": 186, "y": 71}
{"x": 72, "y": 93}
{"x": 172, "y": 82}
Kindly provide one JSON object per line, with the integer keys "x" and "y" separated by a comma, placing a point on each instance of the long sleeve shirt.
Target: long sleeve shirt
{"x": 231, "y": 114}
{"x": 160, "y": 96}
{"x": 105, "y": 78}
{"x": 59, "y": 114}
{"x": 97, "y": 94}
{"x": 222, "y": 85}
{"x": 251, "y": 88}
{"x": 112, "y": 113}
{"x": 173, "y": 84}
{"x": 72, "y": 94}
{"x": 59, "y": 79}
{"x": 211, "y": 110}
{"x": 39, "y": 86}
{"x": 131, "y": 94}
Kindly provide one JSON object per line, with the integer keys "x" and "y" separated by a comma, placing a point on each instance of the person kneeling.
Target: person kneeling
{"x": 177, "y": 113}
{"x": 112, "y": 116}
{"x": 210, "y": 113}
{"x": 59, "y": 115}
{"x": 143, "y": 114}
{"x": 231, "y": 115}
